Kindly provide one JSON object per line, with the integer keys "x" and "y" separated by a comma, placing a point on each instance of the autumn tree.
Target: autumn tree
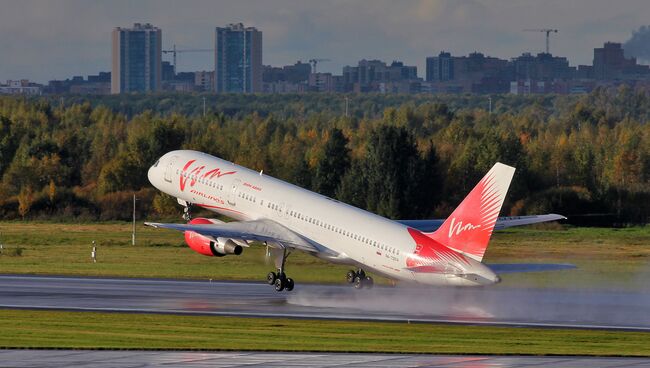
{"x": 333, "y": 164}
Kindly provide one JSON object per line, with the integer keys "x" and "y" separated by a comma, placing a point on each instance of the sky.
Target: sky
{"x": 55, "y": 39}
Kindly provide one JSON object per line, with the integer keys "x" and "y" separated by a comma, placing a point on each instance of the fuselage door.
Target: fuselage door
{"x": 169, "y": 170}
{"x": 234, "y": 191}
{"x": 287, "y": 212}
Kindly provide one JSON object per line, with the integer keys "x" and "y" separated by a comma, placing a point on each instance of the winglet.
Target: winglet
{"x": 469, "y": 228}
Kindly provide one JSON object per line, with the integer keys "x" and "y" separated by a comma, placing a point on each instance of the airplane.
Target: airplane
{"x": 287, "y": 218}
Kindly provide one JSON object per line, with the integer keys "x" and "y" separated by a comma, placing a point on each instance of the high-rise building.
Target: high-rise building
{"x": 204, "y": 81}
{"x": 238, "y": 59}
{"x": 544, "y": 66}
{"x": 440, "y": 68}
{"x": 610, "y": 63}
{"x": 137, "y": 54}
{"x": 368, "y": 75}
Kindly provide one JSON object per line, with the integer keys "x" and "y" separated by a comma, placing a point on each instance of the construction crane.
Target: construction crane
{"x": 315, "y": 62}
{"x": 548, "y": 31}
{"x": 174, "y": 51}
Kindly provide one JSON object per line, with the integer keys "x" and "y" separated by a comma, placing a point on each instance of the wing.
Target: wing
{"x": 428, "y": 226}
{"x": 257, "y": 230}
{"x": 528, "y": 267}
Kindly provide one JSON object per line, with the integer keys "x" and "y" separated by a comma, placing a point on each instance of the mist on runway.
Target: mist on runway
{"x": 499, "y": 304}
{"x": 492, "y": 303}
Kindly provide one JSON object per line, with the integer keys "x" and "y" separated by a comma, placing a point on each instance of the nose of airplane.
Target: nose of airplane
{"x": 151, "y": 174}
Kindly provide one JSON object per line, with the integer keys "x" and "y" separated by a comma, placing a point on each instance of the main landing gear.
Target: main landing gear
{"x": 359, "y": 279}
{"x": 279, "y": 279}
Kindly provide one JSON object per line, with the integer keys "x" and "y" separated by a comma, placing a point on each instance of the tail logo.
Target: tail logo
{"x": 469, "y": 228}
{"x": 458, "y": 228}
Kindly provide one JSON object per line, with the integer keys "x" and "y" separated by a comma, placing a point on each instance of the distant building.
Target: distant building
{"x": 204, "y": 81}
{"x": 567, "y": 86}
{"x": 296, "y": 73}
{"x": 284, "y": 87}
{"x": 99, "y": 84}
{"x": 286, "y": 79}
{"x": 137, "y": 54}
{"x": 584, "y": 72}
{"x": 182, "y": 82}
{"x": 373, "y": 75}
{"x": 20, "y": 87}
{"x": 475, "y": 73}
{"x": 610, "y": 64}
{"x": 167, "y": 72}
{"x": 544, "y": 67}
{"x": 440, "y": 68}
{"x": 321, "y": 82}
{"x": 238, "y": 59}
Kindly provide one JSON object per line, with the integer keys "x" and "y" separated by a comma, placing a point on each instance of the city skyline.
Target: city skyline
{"x": 343, "y": 31}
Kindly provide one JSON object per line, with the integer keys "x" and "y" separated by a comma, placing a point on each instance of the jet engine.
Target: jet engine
{"x": 209, "y": 246}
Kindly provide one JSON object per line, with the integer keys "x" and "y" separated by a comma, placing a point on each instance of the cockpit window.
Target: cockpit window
{"x": 156, "y": 164}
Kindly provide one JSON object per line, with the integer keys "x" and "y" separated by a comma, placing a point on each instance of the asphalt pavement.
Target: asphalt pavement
{"x": 128, "y": 359}
{"x": 493, "y": 305}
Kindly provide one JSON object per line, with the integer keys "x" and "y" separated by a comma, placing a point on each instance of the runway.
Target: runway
{"x": 127, "y": 359}
{"x": 476, "y": 306}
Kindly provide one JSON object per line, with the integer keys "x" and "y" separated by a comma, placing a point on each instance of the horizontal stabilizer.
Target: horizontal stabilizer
{"x": 428, "y": 226}
{"x": 528, "y": 267}
{"x": 505, "y": 222}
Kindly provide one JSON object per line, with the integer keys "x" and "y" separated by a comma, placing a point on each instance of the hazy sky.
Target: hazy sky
{"x": 48, "y": 39}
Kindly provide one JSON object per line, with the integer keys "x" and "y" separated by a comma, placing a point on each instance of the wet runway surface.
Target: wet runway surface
{"x": 124, "y": 359}
{"x": 494, "y": 305}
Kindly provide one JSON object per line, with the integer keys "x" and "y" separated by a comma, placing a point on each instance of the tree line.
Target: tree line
{"x": 586, "y": 156}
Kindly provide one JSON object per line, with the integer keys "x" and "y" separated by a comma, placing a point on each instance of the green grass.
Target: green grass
{"x": 65, "y": 249}
{"x": 606, "y": 258}
{"x": 616, "y": 258}
{"x": 75, "y": 330}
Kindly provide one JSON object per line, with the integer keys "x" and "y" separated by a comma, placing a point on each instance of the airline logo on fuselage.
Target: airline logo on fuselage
{"x": 458, "y": 228}
{"x": 197, "y": 172}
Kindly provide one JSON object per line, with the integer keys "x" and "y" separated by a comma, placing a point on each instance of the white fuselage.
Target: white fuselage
{"x": 348, "y": 234}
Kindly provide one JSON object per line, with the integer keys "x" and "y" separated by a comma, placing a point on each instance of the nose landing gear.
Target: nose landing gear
{"x": 359, "y": 279}
{"x": 187, "y": 212}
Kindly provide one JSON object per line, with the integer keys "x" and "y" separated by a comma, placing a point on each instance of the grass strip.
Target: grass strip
{"x": 91, "y": 330}
{"x": 606, "y": 258}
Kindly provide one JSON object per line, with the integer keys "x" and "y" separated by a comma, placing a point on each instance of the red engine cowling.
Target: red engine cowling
{"x": 209, "y": 246}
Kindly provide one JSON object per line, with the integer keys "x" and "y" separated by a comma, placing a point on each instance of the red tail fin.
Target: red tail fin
{"x": 469, "y": 227}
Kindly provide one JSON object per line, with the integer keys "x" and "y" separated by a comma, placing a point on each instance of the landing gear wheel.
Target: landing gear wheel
{"x": 289, "y": 286}
{"x": 279, "y": 279}
{"x": 271, "y": 277}
{"x": 351, "y": 276}
{"x": 279, "y": 284}
{"x": 187, "y": 212}
{"x": 359, "y": 279}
